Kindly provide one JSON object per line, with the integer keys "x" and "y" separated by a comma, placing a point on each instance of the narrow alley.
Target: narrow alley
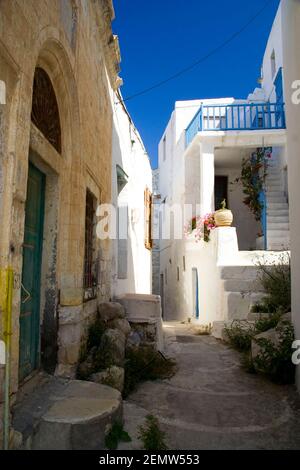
{"x": 212, "y": 403}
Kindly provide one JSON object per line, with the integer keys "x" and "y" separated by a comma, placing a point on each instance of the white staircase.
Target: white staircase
{"x": 278, "y": 229}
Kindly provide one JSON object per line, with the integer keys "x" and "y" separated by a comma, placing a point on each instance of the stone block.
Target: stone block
{"x": 71, "y": 296}
{"x": 120, "y": 324}
{"x": 112, "y": 347}
{"x": 109, "y": 311}
{"x": 113, "y": 377}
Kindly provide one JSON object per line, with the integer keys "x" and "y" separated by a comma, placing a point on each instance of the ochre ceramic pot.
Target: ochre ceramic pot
{"x": 223, "y": 218}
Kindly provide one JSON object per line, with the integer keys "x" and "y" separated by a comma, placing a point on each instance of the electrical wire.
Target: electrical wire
{"x": 202, "y": 59}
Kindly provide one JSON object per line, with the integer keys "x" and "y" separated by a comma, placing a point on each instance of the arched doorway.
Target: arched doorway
{"x": 44, "y": 117}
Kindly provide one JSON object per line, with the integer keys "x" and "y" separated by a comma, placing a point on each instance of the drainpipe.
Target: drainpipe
{"x": 7, "y": 310}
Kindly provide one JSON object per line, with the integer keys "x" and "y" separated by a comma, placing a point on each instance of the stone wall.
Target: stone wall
{"x": 72, "y": 41}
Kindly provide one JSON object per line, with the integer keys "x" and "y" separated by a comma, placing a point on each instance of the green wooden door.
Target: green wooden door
{"x": 31, "y": 273}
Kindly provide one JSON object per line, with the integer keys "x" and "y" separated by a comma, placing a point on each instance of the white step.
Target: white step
{"x": 271, "y": 233}
{"x": 248, "y": 273}
{"x": 271, "y": 226}
{"x": 277, "y": 213}
{"x": 278, "y": 219}
{"x": 275, "y": 199}
{"x": 274, "y": 193}
{"x": 274, "y": 187}
{"x": 278, "y": 206}
{"x": 242, "y": 285}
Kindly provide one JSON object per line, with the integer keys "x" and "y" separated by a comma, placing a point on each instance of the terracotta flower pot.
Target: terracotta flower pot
{"x": 223, "y": 218}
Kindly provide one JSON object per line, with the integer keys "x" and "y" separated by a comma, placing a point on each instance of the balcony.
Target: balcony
{"x": 236, "y": 117}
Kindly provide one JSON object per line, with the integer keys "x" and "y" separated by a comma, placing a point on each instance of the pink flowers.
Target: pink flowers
{"x": 200, "y": 227}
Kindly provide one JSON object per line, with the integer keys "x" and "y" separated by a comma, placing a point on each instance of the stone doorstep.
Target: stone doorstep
{"x": 67, "y": 414}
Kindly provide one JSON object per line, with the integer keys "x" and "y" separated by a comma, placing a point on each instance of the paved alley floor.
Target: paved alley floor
{"x": 212, "y": 403}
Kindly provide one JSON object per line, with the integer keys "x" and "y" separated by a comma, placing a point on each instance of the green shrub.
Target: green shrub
{"x": 247, "y": 362}
{"x": 115, "y": 435}
{"x": 276, "y": 281}
{"x": 240, "y": 334}
{"x": 152, "y": 437}
{"x": 275, "y": 360}
{"x": 145, "y": 363}
{"x": 266, "y": 323}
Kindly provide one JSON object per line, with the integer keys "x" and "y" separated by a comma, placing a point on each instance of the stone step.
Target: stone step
{"x": 271, "y": 233}
{"x": 276, "y": 199}
{"x": 278, "y": 246}
{"x": 242, "y": 285}
{"x": 274, "y": 188}
{"x": 278, "y": 226}
{"x": 277, "y": 213}
{"x": 62, "y": 414}
{"x": 247, "y": 273}
{"x": 274, "y": 193}
{"x": 279, "y": 219}
{"x": 278, "y": 206}
{"x": 239, "y": 304}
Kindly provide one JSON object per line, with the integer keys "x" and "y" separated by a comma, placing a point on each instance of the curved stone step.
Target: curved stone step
{"x": 68, "y": 415}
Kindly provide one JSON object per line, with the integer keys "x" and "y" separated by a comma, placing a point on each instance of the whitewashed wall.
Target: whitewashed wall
{"x": 129, "y": 153}
{"x": 274, "y": 44}
{"x": 291, "y": 63}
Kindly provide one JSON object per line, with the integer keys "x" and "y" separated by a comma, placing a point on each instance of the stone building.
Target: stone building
{"x": 59, "y": 63}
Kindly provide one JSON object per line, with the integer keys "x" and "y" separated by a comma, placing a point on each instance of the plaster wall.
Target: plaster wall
{"x": 291, "y": 63}
{"x": 129, "y": 153}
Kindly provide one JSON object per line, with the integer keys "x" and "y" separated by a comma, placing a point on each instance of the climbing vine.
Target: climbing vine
{"x": 253, "y": 176}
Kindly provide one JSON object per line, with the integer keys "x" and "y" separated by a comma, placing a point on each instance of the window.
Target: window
{"x": 221, "y": 191}
{"x": 183, "y": 262}
{"x": 45, "y": 113}
{"x": 90, "y": 274}
{"x": 148, "y": 216}
{"x": 178, "y": 275}
{"x": 164, "y": 148}
{"x": 273, "y": 64}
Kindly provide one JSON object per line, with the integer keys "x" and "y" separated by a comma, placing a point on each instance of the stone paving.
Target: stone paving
{"x": 212, "y": 403}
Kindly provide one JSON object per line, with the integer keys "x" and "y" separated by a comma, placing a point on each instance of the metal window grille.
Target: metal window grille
{"x": 89, "y": 277}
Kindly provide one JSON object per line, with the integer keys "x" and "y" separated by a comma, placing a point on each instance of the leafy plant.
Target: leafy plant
{"x": 116, "y": 435}
{"x": 253, "y": 175}
{"x": 266, "y": 323}
{"x": 152, "y": 437}
{"x": 276, "y": 281}
{"x": 275, "y": 360}
{"x": 240, "y": 334}
{"x": 145, "y": 363}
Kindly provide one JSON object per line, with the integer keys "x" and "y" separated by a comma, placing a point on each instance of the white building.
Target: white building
{"x": 291, "y": 65}
{"x": 131, "y": 182}
{"x": 200, "y": 156}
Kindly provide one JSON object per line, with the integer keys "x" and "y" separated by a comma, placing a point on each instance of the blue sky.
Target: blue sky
{"x": 160, "y": 37}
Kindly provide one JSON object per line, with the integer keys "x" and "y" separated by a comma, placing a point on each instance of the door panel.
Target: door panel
{"x": 31, "y": 273}
{"x": 221, "y": 191}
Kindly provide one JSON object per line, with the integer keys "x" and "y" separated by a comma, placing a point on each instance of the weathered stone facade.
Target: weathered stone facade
{"x": 72, "y": 41}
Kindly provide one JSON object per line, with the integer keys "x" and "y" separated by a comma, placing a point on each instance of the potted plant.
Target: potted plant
{"x": 224, "y": 216}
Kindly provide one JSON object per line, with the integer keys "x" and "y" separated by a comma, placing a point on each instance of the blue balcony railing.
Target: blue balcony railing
{"x": 236, "y": 117}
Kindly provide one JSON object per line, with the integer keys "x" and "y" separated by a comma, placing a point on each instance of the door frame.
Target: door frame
{"x": 35, "y": 327}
